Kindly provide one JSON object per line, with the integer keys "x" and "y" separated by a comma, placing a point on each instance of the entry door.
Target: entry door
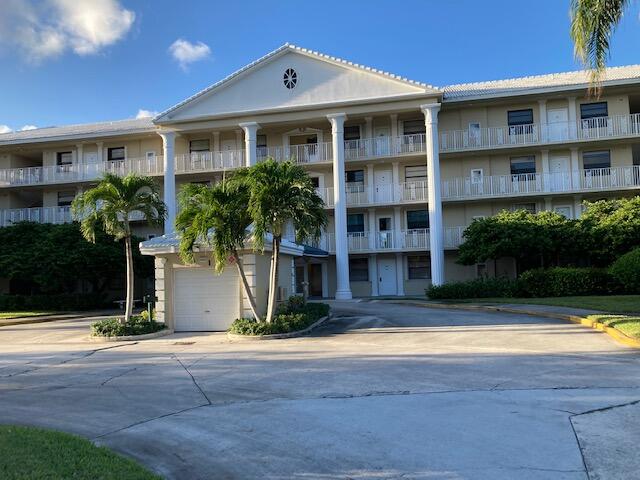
{"x": 382, "y": 141}
{"x": 383, "y": 188}
{"x": 560, "y": 177}
{"x": 91, "y": 164}
{"x": 315, "y": 279}
{"x": 387, "y": 276}
{"x": 385, "y": 234}
{"x": 558, "y": 121}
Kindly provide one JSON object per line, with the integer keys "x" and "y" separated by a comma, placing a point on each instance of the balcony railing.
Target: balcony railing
{"x": 55, "y": 215}
{"x": 384, "y": 194}
{"x": 597, "y": 179}
{"x": 209, "y": 161}
{"x": 407, "y": 240}
{"x": 616, "y": 126}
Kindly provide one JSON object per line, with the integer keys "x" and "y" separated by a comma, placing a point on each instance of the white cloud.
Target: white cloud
{"x": 5, "y": 129}
{"x": 28, "y": 127}
{"x": 185, "y": 52}
{"x": 43, "y": 29}
{"x": 142, "y": 113}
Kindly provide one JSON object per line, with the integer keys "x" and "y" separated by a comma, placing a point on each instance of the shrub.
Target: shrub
{"x": 137, "y": 325}
{"x": 561, "y": 282}
{"x": 62, "y": 302}
{"x": 626, "y": 270}
{"x": 480, "y": 288}
{"x": 285, "y": 321}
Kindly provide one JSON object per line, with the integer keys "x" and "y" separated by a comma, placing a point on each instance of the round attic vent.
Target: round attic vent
{"x": 290, "y": 78}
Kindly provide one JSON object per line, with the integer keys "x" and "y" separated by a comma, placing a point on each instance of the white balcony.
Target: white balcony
{"x": 592, "y": 180}
{"x": 380, "y": 147}
{"x": 387, "y": 194}
{"x": 209, "y": 161}
{"x": 408, "y": 240}
{"x": 617, "y": 126}
{"x": 55, "y": 215}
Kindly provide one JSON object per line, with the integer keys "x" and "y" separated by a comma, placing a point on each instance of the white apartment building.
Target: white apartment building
{"x": 402, "y": 166}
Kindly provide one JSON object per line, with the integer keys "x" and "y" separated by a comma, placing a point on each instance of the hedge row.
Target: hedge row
{"x": 62, "y": 302}
{"x": 554, "y": 282}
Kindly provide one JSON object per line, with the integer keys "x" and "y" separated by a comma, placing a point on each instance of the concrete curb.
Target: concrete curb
{"x": 279, "y": 336}
{"x": 51, "y": 318}
{"x": 612, "y": 332}
{"x": 130, "y": 338}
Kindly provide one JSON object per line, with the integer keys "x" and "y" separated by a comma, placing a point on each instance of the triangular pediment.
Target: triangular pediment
{"x": 319, "y": 80}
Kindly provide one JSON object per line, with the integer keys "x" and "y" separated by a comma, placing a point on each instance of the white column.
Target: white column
{"x": 216, "y": 141}
{"x": 577, "y": 206}
{"x": 575, "y": 169}
{"x": 373, "y": 274}
{"x": 394, "y": 141}
{"x": 372, "y": 229}
{"x": 543, "y": 120}
{"x": 371, "y": 188}
{"x": 238, "y": 139}
{"x": 168, "y": 151}
{"x": 573, "y": 123}
{"x": 400, "y": 274}
{"x": 397, "y": 228}
{"x": 250, "y": 138}
{"x": 79, "y": 159}
{"x": 546, "y": 178}
{"x": 436, "y": 229}
{"x": 100, "y": 148}
{"x": 343, "y": 290}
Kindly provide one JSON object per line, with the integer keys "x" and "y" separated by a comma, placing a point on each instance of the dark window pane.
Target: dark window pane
{"x": 523, "y": 165}
{"x": 355, "y": 222}
{"x": 115, "y": 154}
{"x": 352, "y": 133}
{"x": 529, "y": 207}
{"x": 413, "y": 127}
{"x": 417, "y": 219}
{"x": 593, "y": 110}
{"x": 419, "y": 267}
{"x": 315, "y": 181}
{"x": 261, "y": 141}
{"x": 199, "y": 146}
{"x": 520, "y": 117}
{"x": 415, "y": 173}
{"x": 359, "y": 269}
{"x": 65, "y": 198}
{"x": 599, "y": 159}
{"x": 64, "y": 158}
{"x": 354, "y": 176}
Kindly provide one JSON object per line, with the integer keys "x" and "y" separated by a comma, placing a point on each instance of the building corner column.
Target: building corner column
{"x": 373, "y": 274}
{"x": 343, "y": 288}
{"x": 250, "y": 142}
{"x": 544, "y": 128}
{"x": 400, "y": 274}
{"x": 169, "y": 186}
{"x": 436, "y": 229}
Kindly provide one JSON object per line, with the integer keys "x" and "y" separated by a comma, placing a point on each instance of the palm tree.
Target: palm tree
{"x": 218, "y": 217}
{"x": 110, "y": 205}
{"x": 279, "y": 193}
{"x": 592, "y": 25}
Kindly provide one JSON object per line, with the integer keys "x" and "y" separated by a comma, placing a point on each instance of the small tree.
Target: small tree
{"x": 279, "y": 193}
{"x": 217, "y": 217}
{"x": 109, "y": 206}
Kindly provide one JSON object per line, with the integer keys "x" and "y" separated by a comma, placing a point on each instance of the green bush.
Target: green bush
{"x": 287, "y": 320}
{"x": 62, "y": 302}
{"x": 137, "y": 325}
{"x": 564, "y": 282}
{"x": 479, "y": 288}
{"x": 626, "y": 270}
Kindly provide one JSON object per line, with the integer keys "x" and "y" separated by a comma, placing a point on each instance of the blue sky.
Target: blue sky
{"x": 60, "y": 65}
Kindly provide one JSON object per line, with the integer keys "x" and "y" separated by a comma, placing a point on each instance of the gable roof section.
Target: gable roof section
{"x": 86, "y": 130}
{"x": 537, "y": 83}
{"x": 166, "y": 115}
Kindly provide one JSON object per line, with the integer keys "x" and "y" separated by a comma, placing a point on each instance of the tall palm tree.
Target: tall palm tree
{"x": 592, "y": 25}
{"x": 110, "y": 205}
{"x": 279, "y": 193}
{"x": 217, "y": 217}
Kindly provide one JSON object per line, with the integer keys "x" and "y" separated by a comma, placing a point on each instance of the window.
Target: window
{"x": 65, "y": 198}
{"x": 477, "y": 176}
{"x": 593, "y": 110}
{"x": 290, "y": 78}
{"x": 352, "y": 133}
{"x": 151, "y": 155}
{"x": 523, "y": 165}
{"x": 597, "y": 159}
{"x": 359, "y": 269}
{"x": 354, "y": 176}
{"x": 478, "y": 217}
{"x": 520, "y": 121}
{"x": 564, "y": 210}
{"x": 418, "y": 267}
{"x": 115, "y": 154}
{"x": 416, "y": 173}
{"x": 413, "y": 127}
{"x": 384, "y": 224}
{"x": 261, "y": 145}
{"x": 64, "y": 158}
{"x": 529, "y": 207}
{"x": 199, "y": 146}
{"x": 474, "y": 133}
{"x": 316, "y": 182}
{"x": 355, "y": 223}
{"x": 417, "y": 219}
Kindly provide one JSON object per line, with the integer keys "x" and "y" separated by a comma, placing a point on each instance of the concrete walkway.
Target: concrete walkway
{"x": 382, "y": 391}
{"x": 57, "y": 316}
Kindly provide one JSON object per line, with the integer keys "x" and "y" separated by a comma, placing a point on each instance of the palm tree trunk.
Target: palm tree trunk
{"x": 129, "y": 299}
{"x": 273, "y": 281}
{"x": 246, "y": 287}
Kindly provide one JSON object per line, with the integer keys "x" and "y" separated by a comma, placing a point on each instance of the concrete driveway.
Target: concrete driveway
{"x": 382, "y": 391}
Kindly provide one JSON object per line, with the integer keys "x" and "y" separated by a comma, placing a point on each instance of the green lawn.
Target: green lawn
{"x": 609, "y": 304}
{"x": 5, "y": 315}
{"x": 627, "y": 324}
{"x": 33, "y": 453}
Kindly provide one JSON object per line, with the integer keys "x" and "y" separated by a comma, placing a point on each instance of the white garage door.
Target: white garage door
{"x": 204, "y": 301}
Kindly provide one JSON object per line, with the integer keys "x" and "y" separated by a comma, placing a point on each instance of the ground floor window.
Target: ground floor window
{"x": 359, "y": 269}
{"x": 419, "y": 267}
